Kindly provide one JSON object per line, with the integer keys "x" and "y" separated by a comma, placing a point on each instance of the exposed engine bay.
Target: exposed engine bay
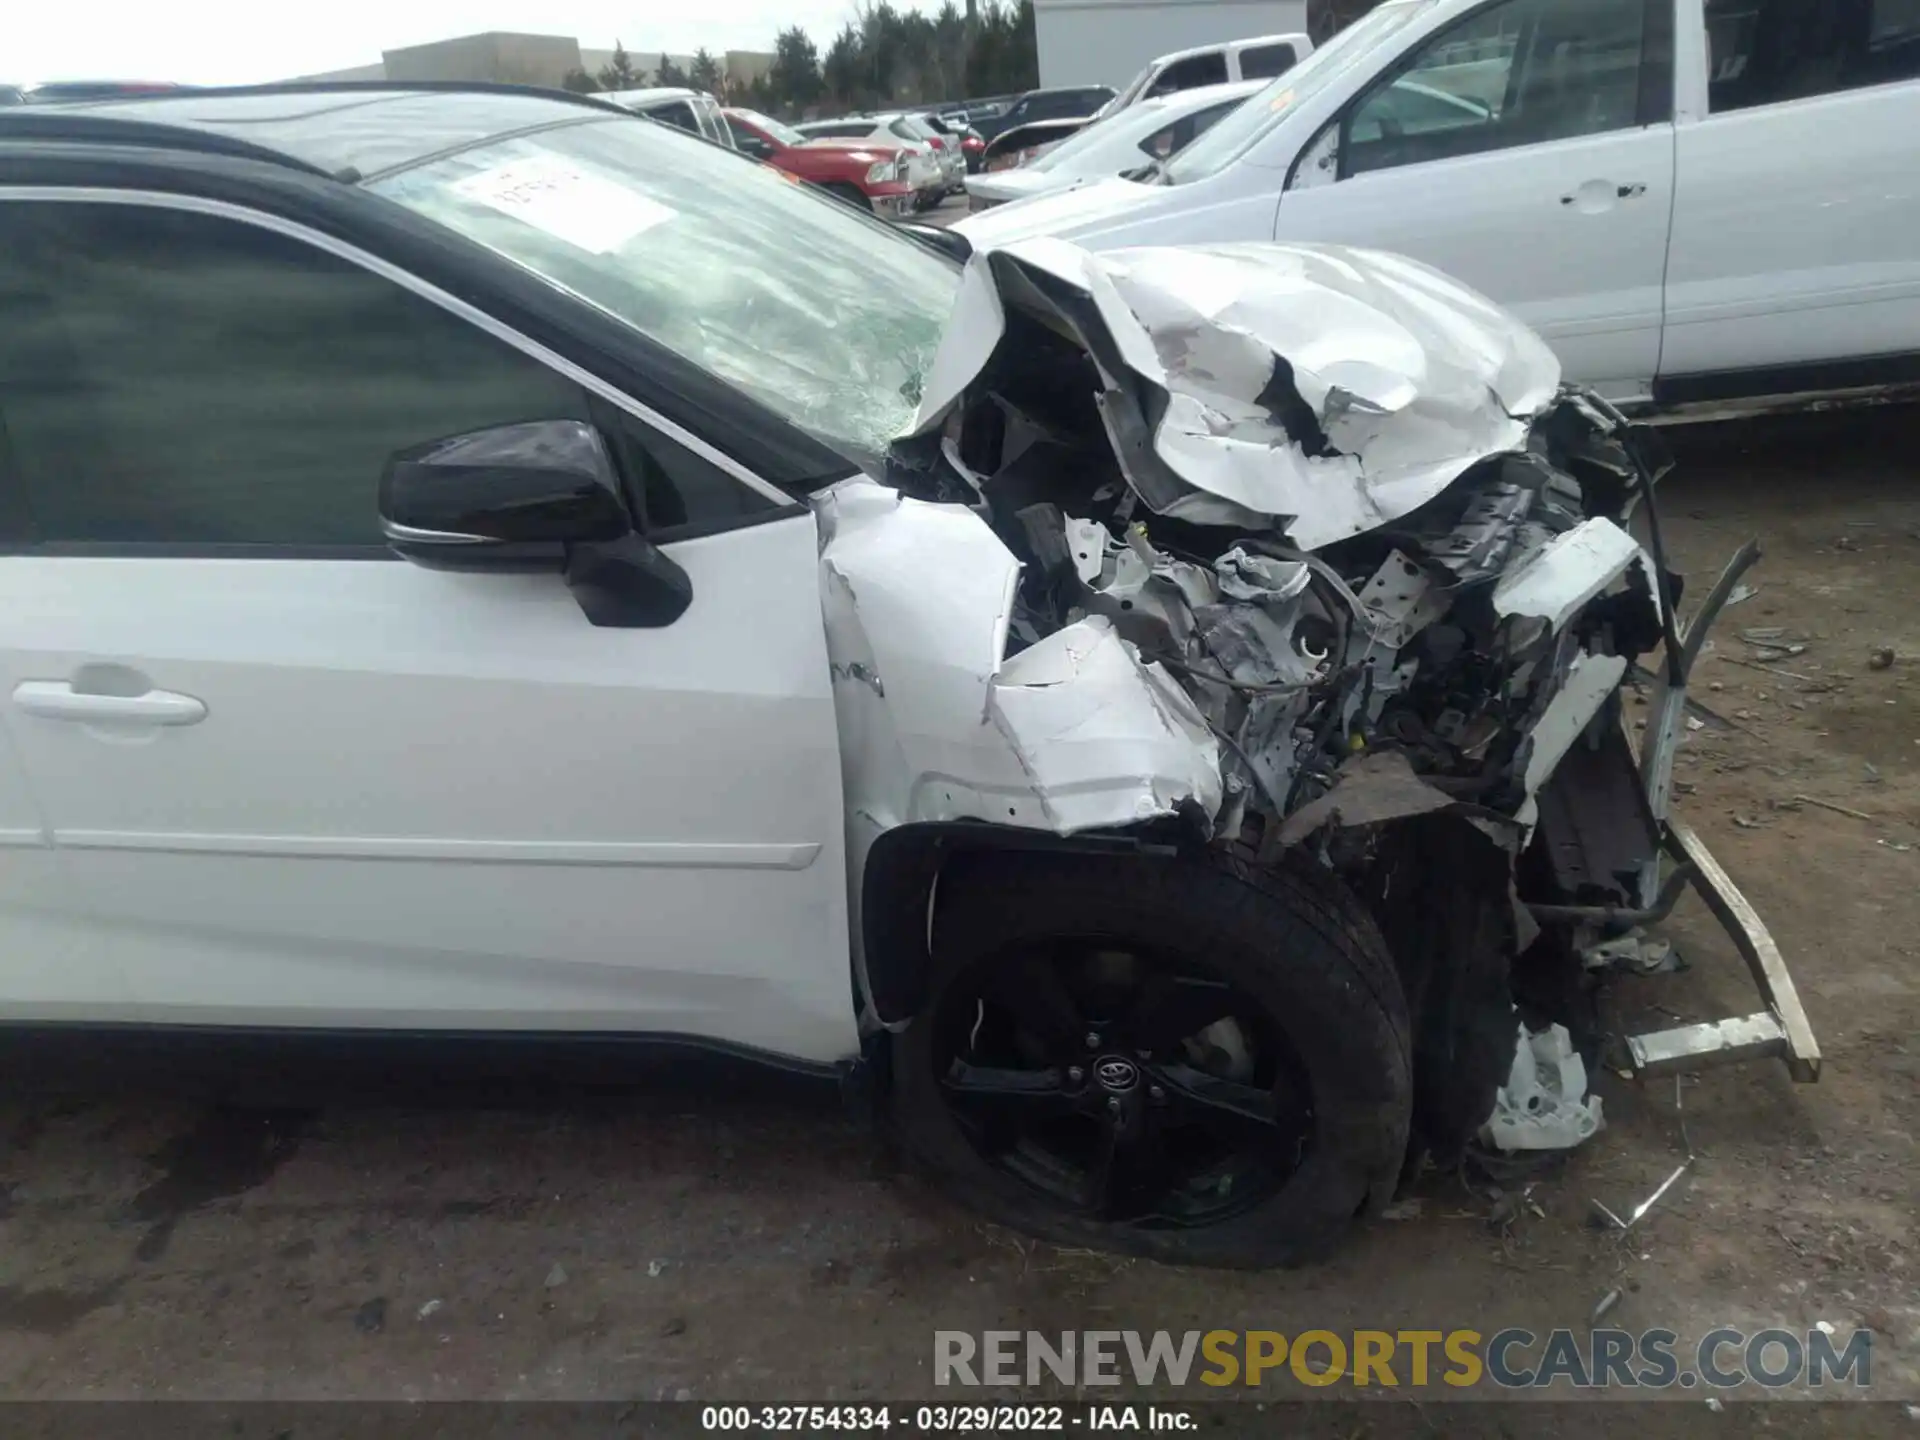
{"x": 1300, "y": 552}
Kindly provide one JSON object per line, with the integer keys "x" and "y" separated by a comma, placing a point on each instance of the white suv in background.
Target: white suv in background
{"x": 1695, "y": 202}
{"x": 1261, "y": 58}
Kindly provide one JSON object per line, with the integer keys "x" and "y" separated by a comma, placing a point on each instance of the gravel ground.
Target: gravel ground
{"x": 401, "y": 1236}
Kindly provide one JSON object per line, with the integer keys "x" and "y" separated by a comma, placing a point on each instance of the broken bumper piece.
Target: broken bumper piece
{"x": 1072, "y": 733}
{"x": 1780, "y": 1031}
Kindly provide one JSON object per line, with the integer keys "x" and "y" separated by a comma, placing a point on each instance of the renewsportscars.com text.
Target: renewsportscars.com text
{"x": 1512, "y": 1359}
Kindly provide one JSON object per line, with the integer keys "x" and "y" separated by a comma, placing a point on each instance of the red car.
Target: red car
{"x": 873, "y": 177}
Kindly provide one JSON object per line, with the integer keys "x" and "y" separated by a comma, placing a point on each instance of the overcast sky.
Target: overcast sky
{"x": 225, "y": 42}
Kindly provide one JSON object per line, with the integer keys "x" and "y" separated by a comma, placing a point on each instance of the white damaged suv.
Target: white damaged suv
{"x": 1155, "y": 714}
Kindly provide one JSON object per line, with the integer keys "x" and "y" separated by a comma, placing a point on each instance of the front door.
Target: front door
{"x": 294, "y": 781}
{"x": 1528, "y": 151}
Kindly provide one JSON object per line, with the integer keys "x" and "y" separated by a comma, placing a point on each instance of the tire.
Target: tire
{"x": 1295, "y": 945}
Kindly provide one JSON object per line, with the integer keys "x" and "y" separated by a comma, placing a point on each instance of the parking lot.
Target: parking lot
{"x": 385, "y": 1237}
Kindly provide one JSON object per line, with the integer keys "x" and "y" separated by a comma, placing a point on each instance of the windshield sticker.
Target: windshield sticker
{"x": 586, "y": 211}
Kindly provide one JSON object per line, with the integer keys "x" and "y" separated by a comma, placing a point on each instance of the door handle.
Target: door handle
{"x": 58, "y": 700}
{"x": 1595, "y": 193}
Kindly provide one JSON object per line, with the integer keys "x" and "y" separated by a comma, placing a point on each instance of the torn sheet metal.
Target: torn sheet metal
{"x": 1568, "y": 572}
{"x": 1713, "y": 1042}
{"x": 1370, "y": 791}
{"x": 1323, "y": 389}
{"x": 938, "y": 723}
{"x": 1403, "y": 600}
{"x": 1588, "y": 683}
{"x": 1544, "y": 1105}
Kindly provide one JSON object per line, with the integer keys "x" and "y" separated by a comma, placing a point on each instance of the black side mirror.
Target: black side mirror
{"x": 541, "y": 496}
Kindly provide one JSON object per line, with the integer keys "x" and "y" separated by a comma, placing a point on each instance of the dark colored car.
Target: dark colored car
{"x": 1063, "y": 104}
{"x": 1020, "y": 144}
{"x": 983, "y": 107}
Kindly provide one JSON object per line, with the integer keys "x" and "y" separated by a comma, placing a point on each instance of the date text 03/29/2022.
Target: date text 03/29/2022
{"x": 945, "y": 1419}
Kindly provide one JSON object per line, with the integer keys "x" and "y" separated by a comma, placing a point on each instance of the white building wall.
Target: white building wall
{"x": 1106, "y": 42}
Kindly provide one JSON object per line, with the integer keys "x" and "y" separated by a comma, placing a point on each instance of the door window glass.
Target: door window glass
{"x": 178, "y": 379}
{"x": 1174, "y": 137}
{"x": 1187, "y": 74}
{"x": 1520, "y": 73}
{"x": 1760, "y": 52}
{"x": 747, "y": 141}
{"x": 677, "y": 113}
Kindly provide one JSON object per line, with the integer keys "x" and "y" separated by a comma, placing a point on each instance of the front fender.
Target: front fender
{"x": 900, "y": 892}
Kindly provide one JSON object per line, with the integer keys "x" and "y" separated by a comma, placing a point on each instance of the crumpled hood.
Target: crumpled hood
{"x": 1318, "y": 389}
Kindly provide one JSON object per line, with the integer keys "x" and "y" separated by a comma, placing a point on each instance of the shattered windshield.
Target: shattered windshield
{"x": 1237, "y": 133}
{"x": 825, "y": 315}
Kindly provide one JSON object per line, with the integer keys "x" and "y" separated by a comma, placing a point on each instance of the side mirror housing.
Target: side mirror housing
{"x": 508, "y": 498}
{"x": 539, "y": 496}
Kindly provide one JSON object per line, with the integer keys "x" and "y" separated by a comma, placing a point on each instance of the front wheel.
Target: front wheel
{"x": 1175, "y": 1059}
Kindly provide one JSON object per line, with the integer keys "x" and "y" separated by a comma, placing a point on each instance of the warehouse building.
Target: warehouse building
{"x": 516, "y": 59}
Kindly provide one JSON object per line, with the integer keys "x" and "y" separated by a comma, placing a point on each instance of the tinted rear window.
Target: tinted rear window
{"x": 1263, "y": 62}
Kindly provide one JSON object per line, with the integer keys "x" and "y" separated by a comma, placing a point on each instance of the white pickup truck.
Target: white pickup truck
{"x": 1695, "y": 202}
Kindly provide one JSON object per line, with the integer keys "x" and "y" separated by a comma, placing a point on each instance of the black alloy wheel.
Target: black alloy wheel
{"x": 1182, "y": 1058}
{"x": 1125, "y": 1085}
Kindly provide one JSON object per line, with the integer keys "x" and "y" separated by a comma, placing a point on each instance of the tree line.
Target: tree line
{"x": 881, "y": 58}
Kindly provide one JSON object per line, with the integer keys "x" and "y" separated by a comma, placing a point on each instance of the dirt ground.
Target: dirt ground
{"x": 667, "y": 1241}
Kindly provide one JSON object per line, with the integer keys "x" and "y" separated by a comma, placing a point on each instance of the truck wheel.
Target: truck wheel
{"x": 852, "y": 194}
{"x": 1190, "y": 1061}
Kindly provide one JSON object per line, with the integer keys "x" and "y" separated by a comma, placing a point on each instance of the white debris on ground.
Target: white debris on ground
{"x": 1544, "y": 1105}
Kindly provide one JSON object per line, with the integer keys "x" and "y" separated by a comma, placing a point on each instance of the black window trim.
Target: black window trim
{"x": 1653, "y": 105}
{"x": 783, "y": 504}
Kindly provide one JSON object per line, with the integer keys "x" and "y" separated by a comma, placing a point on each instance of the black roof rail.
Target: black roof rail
{"x": 83, "y": 120}
{"x": 59, "y": 123}
{"x": 353, "y": 87}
